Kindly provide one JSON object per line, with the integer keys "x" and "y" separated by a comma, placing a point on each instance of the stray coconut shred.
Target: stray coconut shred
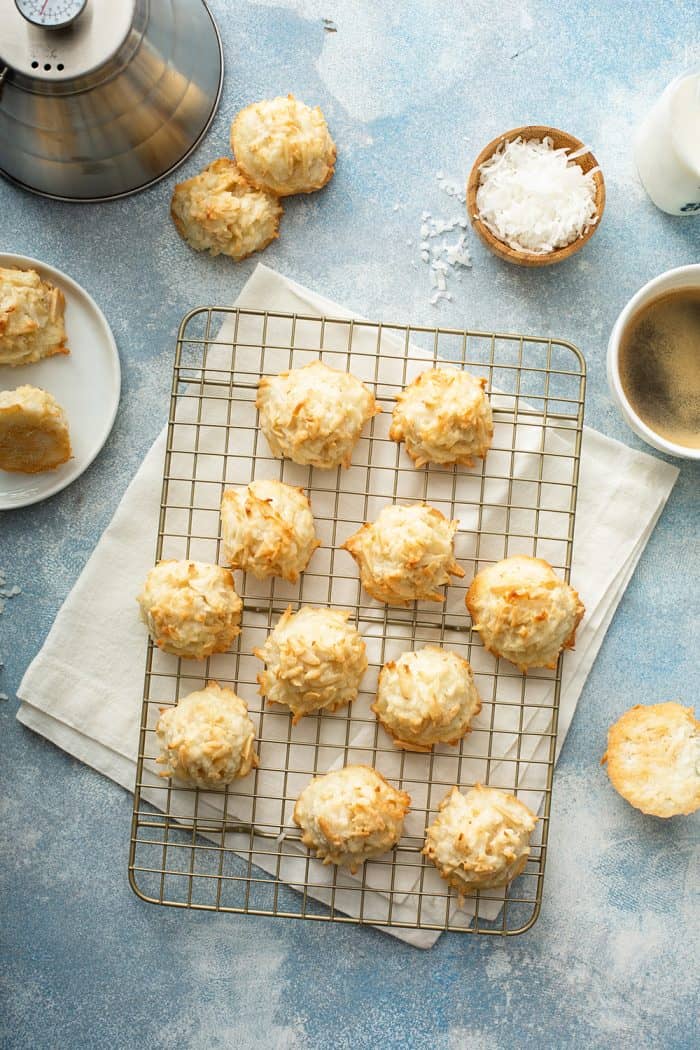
{"x": 445, "y": 257}
{"x": 535, "y": 198}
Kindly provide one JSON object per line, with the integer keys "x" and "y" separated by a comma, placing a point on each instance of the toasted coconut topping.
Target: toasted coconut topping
{"x": 314, "y": 660}
{"x": 653, "y": 758}
{"x": 191, "y": 608}
{"x": 524, "y": 612}
{"x": 426, "y": 697}
{"x": 480, "y": 840}
{"x": 34, "y": 433}
{"x": 350, "y": 815}
{"x": 314, "y": 415}
{"x": 219, "y": 211}
{"x": 207, "y": 739}
{"x": 406, "y": 554}
{"x": 31, "y": 318}
{"x": 268, "y": 529}
{"x": 443, "y": 416}
{"x": 283, "y": 146}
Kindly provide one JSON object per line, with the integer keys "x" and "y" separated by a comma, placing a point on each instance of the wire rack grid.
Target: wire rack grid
{"x": 235, "y": 850}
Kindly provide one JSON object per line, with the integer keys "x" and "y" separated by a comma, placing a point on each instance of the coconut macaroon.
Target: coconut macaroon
{"x": 221, "y": 212}
{"x": 443, "y": 416}
{"x": 426, "y": 697}
{"x": 314, "y": 661}
{"x": 406, "y": 554}
{"x": 283, "y": 146}
{"x": 480, "y": 840}
{"x": 350, "y": 815}
{"x": 34, "y": 433}
{"x": 268, "y": 529}
{"x": 524, "y": 612}
{"x": 314, "y": 415}
{"x": 190, "y": 608}
{"x": 31, "y": 318}
{"x": 653, "y": 758}
{"x": 208, "y": 739}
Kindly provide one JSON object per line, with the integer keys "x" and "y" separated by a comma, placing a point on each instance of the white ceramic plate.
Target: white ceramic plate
{"x": 85, "y": 382}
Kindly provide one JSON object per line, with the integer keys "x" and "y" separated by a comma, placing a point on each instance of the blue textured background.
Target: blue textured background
{"x": 408, "y": 89}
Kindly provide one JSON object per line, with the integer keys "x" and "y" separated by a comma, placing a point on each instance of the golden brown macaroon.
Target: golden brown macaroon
{"x": 208, "y": 739}
{"x": 190, "y": 608}
{"x": 426, "y": 697}
{"x": 443, "y": 417}
{"x": 34, "y": 432}
{"x": 350, "y": 815}
{"x": 406, "y": 554}
{"x": 221, "y": 212}
{"x": 480, "y": 840}
{"x": 653, "y": 758}
{"x": 314, "y": 661}
{"x": 314, "y": 415}
{"x": 31, "y": 318}
{"x": 283, "y": 146}
{"x": 524, "y": 612}
{"x": 268, "y": 530}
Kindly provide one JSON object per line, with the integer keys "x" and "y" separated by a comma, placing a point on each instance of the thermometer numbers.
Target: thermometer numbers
{"x": 50, "y": 14}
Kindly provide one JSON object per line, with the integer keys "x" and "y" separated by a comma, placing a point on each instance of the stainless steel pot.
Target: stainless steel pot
{"x": 100, "y": 98}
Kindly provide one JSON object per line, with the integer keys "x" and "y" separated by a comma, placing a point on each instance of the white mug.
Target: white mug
{"x": 667, "y": 148}
{"x": 671, "y": 280}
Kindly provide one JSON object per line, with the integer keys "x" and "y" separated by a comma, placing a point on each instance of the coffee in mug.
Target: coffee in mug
{"x": 659, "y": 365}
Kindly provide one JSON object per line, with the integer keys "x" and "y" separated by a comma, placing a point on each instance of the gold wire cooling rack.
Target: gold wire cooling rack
{"x": 234, "y": 850}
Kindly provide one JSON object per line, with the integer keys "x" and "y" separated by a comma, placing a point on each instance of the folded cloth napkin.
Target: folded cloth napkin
{"x": 83, "y": 690}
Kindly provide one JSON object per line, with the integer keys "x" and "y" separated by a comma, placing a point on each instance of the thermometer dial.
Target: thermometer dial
{"x": 50, "y": 14}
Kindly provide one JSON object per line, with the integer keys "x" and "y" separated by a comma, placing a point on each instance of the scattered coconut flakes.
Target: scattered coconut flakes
{"x": 435, "y": 299}
{"x": 457, "y": 254}
{"x": 451, "y": 187}
{"x": 445, "y": 257}
{"x": 7, "y": 592}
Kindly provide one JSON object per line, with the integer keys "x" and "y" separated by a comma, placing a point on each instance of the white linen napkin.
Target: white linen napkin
{"x": 83, "y": 690}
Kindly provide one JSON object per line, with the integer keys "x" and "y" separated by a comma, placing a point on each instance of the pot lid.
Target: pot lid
{"x": 54, "y": 40}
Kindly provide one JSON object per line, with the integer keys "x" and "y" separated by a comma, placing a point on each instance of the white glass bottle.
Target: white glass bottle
{"x": 667, "y": 148}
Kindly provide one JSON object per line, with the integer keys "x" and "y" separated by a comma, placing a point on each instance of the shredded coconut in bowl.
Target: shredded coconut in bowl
{"x": 536, "y": 198}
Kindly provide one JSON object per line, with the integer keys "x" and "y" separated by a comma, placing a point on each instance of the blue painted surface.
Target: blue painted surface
{"x": 408, "y": 90}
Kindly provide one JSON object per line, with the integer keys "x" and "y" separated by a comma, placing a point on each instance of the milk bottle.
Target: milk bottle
{"x": 667, "y": 148}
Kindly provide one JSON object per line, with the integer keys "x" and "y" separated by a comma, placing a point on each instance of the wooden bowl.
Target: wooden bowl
{"x": 561, "y": 140}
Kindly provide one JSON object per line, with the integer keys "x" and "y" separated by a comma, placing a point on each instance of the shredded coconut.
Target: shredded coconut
{"x": 446, "y": 256}
{"x": 6, "y": 592}
{"x": 535, "y": 198}
{"x": 435, "y": 299}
